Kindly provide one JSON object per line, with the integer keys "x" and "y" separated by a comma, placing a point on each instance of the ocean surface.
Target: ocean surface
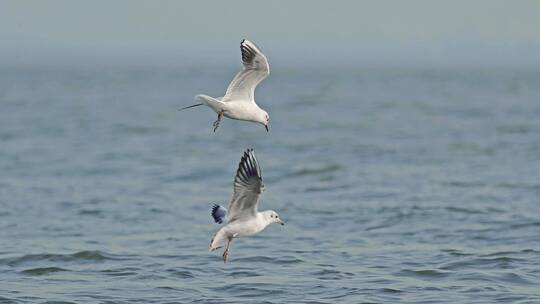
{"x": 397, "y": 185}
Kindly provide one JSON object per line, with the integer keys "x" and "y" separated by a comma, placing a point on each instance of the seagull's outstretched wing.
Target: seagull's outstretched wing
{"x": 248, "y": 186}
{"x": 255, "y": 69}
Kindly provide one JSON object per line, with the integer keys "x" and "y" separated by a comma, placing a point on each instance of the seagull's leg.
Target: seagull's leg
{"x": 226, "y": 252}
{"x": 216, "y": 123}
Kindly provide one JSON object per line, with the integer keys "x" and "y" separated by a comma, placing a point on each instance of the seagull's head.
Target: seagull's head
{"x": 272, "y": 217}
{"x": 264, "y": 119}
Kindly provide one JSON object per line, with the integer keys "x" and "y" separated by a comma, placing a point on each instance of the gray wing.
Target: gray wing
{"x": 255, "y": 69}
{"x": 248, "y": 186}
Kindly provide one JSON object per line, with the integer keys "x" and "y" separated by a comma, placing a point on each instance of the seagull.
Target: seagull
{"x": 239, "y": 100}
{"x": 242, "y": 218}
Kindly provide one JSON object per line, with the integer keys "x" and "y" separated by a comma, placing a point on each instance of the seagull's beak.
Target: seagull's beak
{"x": 266, "y": 127}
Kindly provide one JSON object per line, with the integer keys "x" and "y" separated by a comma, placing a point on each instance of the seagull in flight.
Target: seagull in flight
{"x": 239, "y": 100}
{"x": 242, "y": 218}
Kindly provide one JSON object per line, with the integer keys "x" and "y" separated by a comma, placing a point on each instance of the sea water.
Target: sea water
{"x": 413, "y": 185}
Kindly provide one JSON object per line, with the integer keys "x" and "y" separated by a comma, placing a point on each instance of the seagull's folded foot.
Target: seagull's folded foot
{"x": 225, "y": 255}
{"x": 218, "y": 120}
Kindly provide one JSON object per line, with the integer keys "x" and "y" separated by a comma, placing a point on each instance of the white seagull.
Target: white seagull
{"x": 239, "y": 100}
{"x": 243, "y": 219}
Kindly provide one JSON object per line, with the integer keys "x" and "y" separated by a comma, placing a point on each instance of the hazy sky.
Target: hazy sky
{"x": 340, "y": 32}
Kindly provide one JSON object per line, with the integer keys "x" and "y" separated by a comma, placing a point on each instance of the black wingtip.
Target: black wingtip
{"x": 216, "y": 218}
{"x": 215, "y": 207}
{"x": 250, "y": 160}
{"x": 248, "y": 153}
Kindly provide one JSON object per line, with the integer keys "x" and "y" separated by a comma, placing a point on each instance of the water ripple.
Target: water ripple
{"x": 183, "y": 274}
{"x": 42, "y": 270}
{"x": 81, "y": 256}
{"x": 330, "y": 274}
{"x": 424, "y": 274}
{"x": 270, "y": 260}
{"x": 422, "y": 189}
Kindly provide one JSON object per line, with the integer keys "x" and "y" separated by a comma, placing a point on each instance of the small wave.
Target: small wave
{"x": 486, "y": 262}
{"x": 316, "y": 171}
{"x": 86, "y": 255}
{"x": 506, "y": 277}
{"x": 426, "y": 274}
{"x": 523, "y": 186}
{"x": 90, "y": 255}
{"x": 137, "y": 130}
{"x": 500, "y": 253}
{"x": 90, "y": 212}
{"x": 264, "y": 259}
{"x": 391, "y": 290}
{"x": 463, "y": 184}
{"x": 243, "y": 274}
{"x": 464, "y": 210}
{"x": 514, "y": 129}
{"x": 167, "y": 288}
{"x": 515, "y": 278}
{"x": 456, "y": 252}
{"x": 330, "y": 274}
{"x": 43, "y": 270}
{"x": 121, "y": 272}
{"x": 199, "y": 174}
{"x": 364, "y": 150}
{"x": 327, "y": 188}
{"x": 183, "y": 274}
{"x": 525, "y": 225}
{"x": 252, "y": 289}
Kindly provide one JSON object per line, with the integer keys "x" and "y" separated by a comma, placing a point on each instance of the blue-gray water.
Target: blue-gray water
{"x": 397, "y": 185}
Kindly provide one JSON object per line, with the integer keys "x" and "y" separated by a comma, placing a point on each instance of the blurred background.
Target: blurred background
{"x": 348, "y": 33}
{"x": 403, "y": 152}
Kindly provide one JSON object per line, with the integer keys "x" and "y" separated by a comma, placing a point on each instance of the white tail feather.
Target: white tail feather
{"x": 211, "y": 102}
